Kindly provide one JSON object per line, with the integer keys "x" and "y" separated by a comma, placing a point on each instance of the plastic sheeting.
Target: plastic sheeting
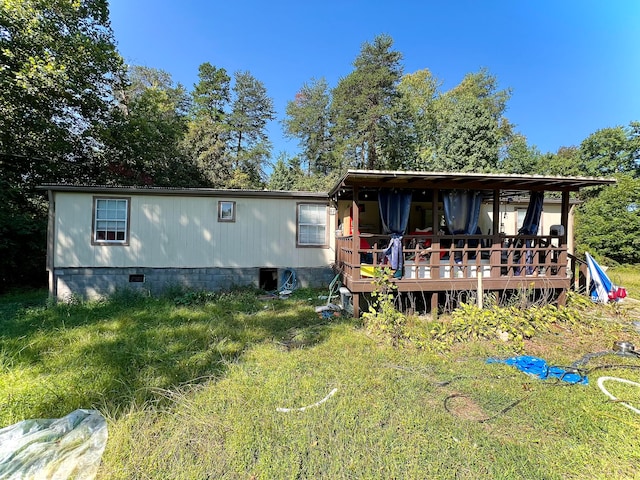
{"x": 539, "y": 368}
{"x": 53, "y": 449}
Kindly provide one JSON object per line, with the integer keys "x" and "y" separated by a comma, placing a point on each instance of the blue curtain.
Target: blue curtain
{"x": 395, "y": 206}
{"x": 462, "y": 211}
{"x": 530, "y": 226}
{"x": 532, "y": 217}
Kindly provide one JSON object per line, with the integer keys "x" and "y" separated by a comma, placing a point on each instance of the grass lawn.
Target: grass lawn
{"x": 191, "y": 386}
{"x": 627, "y": 276}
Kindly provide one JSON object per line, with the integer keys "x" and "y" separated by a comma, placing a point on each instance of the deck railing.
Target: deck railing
{"x": 458, "y": 256}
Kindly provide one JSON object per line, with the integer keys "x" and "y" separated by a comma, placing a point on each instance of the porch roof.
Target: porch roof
{"x": 471, "y": 181}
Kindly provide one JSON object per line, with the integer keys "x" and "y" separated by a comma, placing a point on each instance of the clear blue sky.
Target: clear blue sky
{"x": 573, "y": 65}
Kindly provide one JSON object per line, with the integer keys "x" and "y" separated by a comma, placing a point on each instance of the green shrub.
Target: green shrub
{"x": 383, "y": 317}
{"x": 510, "y": 323}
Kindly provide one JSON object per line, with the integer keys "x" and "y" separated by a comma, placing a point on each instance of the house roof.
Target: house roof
{"x": 184, "y": 192}
{"x": 507, "y": 183}
{"x": 472, "y": 181}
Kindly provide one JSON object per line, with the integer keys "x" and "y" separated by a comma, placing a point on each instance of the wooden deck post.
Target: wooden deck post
{"x": 355, "y": 234}
{"x": 496, "y": 212}
{"x": 355, "y": 301}
{"x": 564, "y": 220}
{"x": 495, "y": 256}
{"x": 434, "y": 305}
{"x": 434, "y": 260}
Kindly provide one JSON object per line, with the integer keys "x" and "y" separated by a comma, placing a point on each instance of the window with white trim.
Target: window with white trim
{"x": 226, "y": 211}
{"x": 312, "y": 225}
{"x": 111, "y": 220}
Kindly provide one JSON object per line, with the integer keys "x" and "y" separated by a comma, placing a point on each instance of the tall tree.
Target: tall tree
{"x": 58, "y": 62}
{"x": 565, "y": 162}
{"x": 609, "y": 223}
{"x": 308, "y": 120}
{"x": 611, "y": 150}
{"x": 211, "y": 93}
{"x": 365, "y": 102}
{"x": 285, "y": 173}
{"x": 471, "y": 126}
{"x": 520, "y": 157}
{"x": 142, "y": 142}
{"x": 251, "y": 110}
{"x": 207, "y": 137}
{"x": 420, "y": 91}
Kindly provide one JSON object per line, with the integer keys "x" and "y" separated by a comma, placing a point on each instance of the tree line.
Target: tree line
{"x": 71, "y": 111}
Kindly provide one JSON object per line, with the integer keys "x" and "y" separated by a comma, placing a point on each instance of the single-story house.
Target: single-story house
{"x": 439, "y": 232}
{"x": 104, "y": 238}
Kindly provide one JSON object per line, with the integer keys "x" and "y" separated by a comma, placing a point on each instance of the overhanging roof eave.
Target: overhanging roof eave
{"x": 449, "y": 180}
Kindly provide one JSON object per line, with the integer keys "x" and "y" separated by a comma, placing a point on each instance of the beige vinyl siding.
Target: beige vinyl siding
{"x": 183, "y": 232}
{"x": 509, "y": 217}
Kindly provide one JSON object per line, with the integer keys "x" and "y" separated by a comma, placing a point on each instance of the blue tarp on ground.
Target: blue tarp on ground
{"x": 539, "y": 368}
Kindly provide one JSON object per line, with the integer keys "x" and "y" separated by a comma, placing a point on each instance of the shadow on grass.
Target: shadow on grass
{"x": 121, "y": 352}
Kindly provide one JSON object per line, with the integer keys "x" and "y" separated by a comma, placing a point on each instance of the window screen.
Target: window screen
{"x": 312, "y": 224}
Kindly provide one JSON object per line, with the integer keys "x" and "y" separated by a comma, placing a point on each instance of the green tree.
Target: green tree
{"x": 609, "y": 223}
{"x": 420, "y": 91}
{"x": 565, "y": 162}
{"x": 471, "y": 128}
{"x": 250, "y": 148}
{"x": 285, "y": 173}
{"x": 58, "y": 62}
{"x": 142, "y": 143}
{"x": 365, "y": 105}
{"x": 211, "y": 94}
{"x": 207, "y": 137}
{"x": 308, "y": 120}
{"x": 520, "y": 157}
{"x": 610, "y": 150}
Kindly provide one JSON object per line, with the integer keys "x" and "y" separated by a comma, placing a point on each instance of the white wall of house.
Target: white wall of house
{"x": 173, "y": 231}
{"x": 420, "y": 217}
{"x": 512, "y": 214}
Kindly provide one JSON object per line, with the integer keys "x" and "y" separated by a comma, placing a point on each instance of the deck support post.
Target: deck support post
{"x": 434, "y": 305}
{"x": 355, "y": 301}
{"x": 562, "y": 297}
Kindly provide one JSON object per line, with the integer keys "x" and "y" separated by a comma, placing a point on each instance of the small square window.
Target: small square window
{"x": 226, "y": 211}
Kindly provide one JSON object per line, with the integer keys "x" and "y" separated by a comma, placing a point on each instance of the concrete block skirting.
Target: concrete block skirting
{"x": 93, "y": 283}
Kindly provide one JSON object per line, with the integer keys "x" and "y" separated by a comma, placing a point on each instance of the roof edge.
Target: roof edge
{"x": 557, "y": 183}
{"x": 170, "y": 191}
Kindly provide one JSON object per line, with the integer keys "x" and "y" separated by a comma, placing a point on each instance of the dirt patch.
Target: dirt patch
{"x": 603, "y": 325}
{"x": 464, "y": 407}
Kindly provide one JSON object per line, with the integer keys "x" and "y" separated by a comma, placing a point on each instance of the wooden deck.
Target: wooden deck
{"x": 459, "y": 263}
{"x": 496, "y": 262}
